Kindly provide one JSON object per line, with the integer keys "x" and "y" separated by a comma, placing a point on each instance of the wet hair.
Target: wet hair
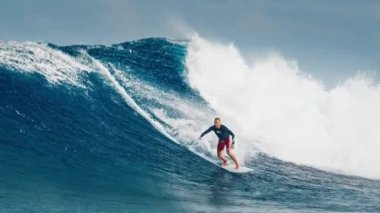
{"x": 217, "y": 119}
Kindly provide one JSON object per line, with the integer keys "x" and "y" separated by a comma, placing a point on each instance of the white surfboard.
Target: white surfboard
{"x": 231, "y": 168}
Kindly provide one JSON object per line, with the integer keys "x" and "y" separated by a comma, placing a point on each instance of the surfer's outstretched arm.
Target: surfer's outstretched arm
{"x": 207, "y": 131}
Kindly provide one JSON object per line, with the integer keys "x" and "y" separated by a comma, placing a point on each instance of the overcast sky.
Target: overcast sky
{"x": 330, "y": 39}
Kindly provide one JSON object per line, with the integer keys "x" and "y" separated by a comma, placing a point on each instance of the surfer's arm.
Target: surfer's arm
{"x": 232, "y": 135}
{"x": 205, "y": 132}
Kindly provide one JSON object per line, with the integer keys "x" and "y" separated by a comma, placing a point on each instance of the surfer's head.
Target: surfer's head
{"x": 217, "y": 122}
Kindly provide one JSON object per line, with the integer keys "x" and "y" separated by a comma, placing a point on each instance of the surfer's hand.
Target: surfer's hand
{"x": 200, "y": 137}
{"x": 233, "y": 146}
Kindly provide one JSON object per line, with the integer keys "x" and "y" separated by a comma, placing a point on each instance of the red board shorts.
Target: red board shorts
{"x": 223, "y": 143}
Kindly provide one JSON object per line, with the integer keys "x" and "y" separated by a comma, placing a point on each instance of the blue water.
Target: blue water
{"x": 69, "y": 148}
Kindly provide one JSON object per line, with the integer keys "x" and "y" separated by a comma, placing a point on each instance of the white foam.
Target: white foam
{"x": 56, "y": 66}
{"x": 292, "y": 115}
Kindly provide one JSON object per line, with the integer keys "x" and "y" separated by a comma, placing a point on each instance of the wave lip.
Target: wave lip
{"x": 56, "y": 66}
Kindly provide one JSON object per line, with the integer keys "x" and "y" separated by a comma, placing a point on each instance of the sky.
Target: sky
{"x": 330, "y": 39}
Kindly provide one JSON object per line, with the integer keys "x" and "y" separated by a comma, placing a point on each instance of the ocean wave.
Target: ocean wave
{"x": 119, "y": 124}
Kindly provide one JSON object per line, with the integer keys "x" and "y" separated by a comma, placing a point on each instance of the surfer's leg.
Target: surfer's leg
{"x": 222, "y": 158}
{"x": 232, "y": 156}
{"x": 220, "y": 153}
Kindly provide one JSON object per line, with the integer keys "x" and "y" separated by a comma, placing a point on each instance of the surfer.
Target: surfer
{"x": 223, "y": 134}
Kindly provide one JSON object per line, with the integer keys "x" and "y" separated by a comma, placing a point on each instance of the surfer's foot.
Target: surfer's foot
{"x": 224, "y": 163}
{"x": 237, "y": 166}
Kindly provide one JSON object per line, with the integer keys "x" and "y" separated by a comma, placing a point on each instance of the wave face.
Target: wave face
{"x": 114, "y": 129}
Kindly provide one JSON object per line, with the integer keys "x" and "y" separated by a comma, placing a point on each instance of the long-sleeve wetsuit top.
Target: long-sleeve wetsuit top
{"x": 223, "y": 132}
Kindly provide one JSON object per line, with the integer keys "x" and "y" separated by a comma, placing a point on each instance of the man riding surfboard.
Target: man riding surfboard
{"x": 223, "y": 134}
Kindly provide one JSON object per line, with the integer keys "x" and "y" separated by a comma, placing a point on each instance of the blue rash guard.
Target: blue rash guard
{"x": 223, "y": 132}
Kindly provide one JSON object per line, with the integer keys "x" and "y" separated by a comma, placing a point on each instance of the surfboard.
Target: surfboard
{"x": 231, "y": 168}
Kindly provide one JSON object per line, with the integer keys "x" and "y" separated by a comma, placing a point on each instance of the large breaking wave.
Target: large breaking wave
{"x": 125, "y": 119}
